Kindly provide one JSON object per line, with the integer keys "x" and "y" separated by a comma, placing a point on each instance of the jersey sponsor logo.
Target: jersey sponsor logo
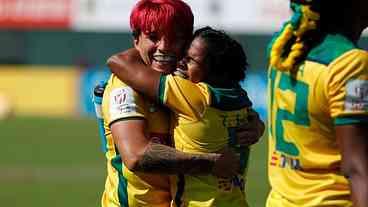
{"x": 122, "y": 102}
{"x": 285, "y": 161}
{"x": 234, "y": 120}
{"x": 356, "y": 95}
{"x": 224, "y": 184}
{"x": 228, "y": 184}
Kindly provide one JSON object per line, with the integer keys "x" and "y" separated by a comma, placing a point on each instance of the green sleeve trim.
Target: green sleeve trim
{"x": 351, "y": 120}
{"x": 161, "y": 89}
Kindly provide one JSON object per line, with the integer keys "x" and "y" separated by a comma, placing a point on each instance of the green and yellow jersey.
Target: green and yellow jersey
{"x": 205, "y": 119}
{"x": 328, "y": 89}
{"x": 123, "y": 187}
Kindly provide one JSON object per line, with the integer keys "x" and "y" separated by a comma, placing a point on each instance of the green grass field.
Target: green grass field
{"x": 57, "y": 162}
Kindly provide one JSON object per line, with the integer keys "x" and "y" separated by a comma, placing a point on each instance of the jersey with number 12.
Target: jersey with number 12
{"x": 330, "y": 88}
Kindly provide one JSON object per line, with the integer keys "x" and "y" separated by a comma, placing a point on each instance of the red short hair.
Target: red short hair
{"x": 163, "y": 15}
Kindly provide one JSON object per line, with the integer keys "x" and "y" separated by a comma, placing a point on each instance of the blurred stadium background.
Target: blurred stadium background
{"x": 53, "y": 53}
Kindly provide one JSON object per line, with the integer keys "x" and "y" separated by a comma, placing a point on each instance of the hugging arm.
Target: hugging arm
{"x": 158, "y": 158}
{"x": 129, "y": 67}
{"x": 353, "y": 142}
{"x": 251, "y": 132}
{"x": 140, "y": 154}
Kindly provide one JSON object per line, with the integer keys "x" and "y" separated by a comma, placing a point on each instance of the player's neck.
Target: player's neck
{"x": 353, "y": 34}
{"x": 352, "y": 31}
{"x": 221, "y": 83}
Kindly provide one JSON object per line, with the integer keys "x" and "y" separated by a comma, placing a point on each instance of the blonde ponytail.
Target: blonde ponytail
{"x": 288, "y": 46}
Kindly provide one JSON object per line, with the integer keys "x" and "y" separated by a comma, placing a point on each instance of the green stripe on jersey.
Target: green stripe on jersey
{"x": 161, "y": 89}
{"x": 122, "y": 189}
{"x": 180, "y": 190}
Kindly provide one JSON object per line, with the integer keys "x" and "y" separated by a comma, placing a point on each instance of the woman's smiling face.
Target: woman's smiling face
{"x": 193, "y": 66}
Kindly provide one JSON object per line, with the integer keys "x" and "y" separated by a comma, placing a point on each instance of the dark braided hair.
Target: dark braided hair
{"x": 225, "y": 56}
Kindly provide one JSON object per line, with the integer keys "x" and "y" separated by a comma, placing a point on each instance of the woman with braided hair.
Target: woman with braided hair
{"x": 318, "y": 106}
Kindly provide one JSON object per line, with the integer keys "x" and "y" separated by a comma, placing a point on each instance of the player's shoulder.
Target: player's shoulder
{"x": 354, "y": 57}
{"x": 334, "y": 47}
{"x": 177, "y": 83}
{"x": 115, "y": 83}
{"x": 116, "y": 88}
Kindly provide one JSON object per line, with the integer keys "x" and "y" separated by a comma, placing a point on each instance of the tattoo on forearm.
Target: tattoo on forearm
{"x": 162, "y": 159}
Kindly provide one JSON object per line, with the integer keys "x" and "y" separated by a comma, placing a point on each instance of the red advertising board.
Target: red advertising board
{"x": 30, "y": 14}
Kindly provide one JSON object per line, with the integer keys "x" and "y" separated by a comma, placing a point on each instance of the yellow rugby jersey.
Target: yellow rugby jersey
{"x": 205, "y": 122}
{"x": 123, "y": 187}
{"x": 330, "y": 88}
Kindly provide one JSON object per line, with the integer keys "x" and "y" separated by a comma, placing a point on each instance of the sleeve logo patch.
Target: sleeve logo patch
{"x": 356, "y": 95}
{"x": 122, "y": 102}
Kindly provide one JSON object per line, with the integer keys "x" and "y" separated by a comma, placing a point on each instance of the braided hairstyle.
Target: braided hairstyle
{"x": 311, "y": 21}
{"x": 291, "y": 44}
{"x": 225, "y": 56}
